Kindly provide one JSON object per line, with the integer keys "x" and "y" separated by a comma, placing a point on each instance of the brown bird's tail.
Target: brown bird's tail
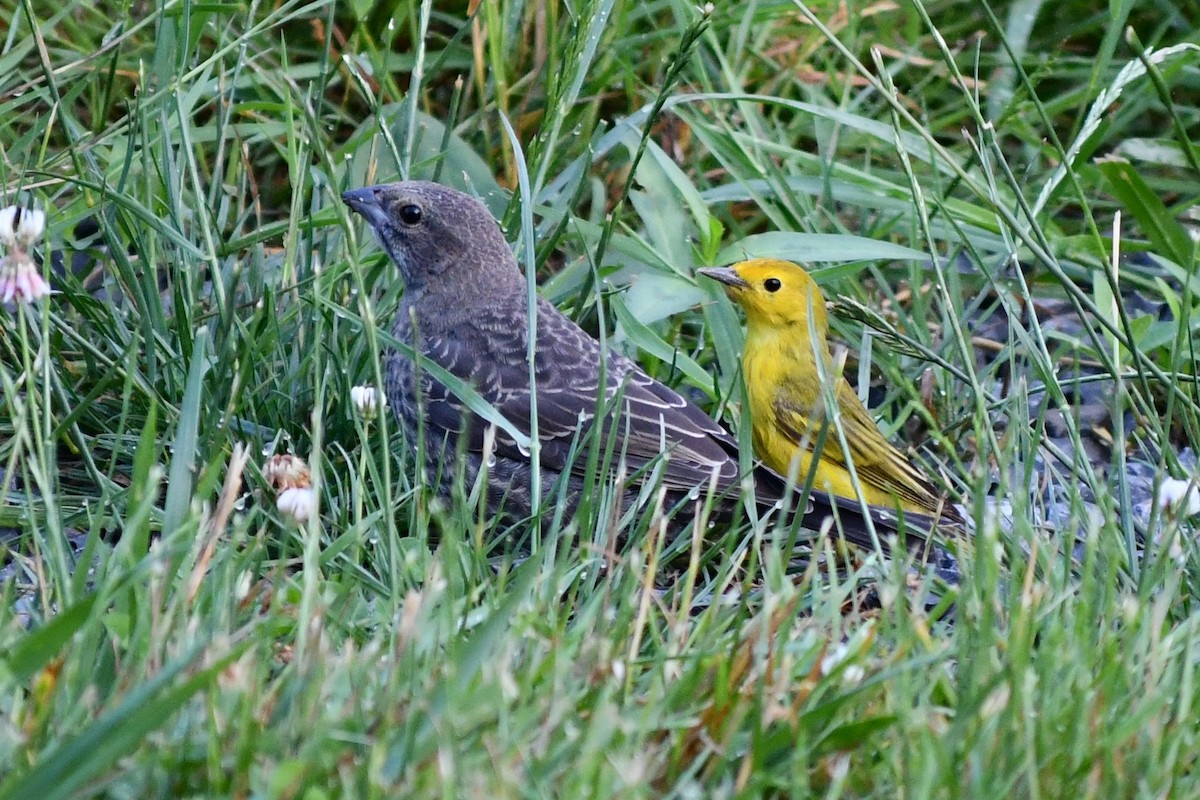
{"x": 876, "y": 528}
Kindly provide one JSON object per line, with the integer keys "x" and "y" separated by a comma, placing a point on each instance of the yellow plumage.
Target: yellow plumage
{"x": 784, "y": 311}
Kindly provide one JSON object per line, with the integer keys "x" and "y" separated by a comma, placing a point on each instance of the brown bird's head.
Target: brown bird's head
{"x": 438, "y": 237}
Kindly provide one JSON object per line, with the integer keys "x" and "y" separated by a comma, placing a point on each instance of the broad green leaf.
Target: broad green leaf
{"x": 1162, "y": 229}
{"x": 37, "y": 648}
{"x": 646, "y": 339}
{"x": 816, "y": 248}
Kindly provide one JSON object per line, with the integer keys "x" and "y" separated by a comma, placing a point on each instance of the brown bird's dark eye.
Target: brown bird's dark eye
{"x": 410, "y": 214}
{"x": 772, "y": 284}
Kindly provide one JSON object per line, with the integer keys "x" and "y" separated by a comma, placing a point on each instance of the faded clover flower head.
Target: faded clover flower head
{"x": 20, "y": 277}
{"x": 286, "y": 471}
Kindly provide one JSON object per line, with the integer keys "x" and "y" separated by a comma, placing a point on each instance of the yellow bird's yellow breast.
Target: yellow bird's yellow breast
{"x": 767, "y": 363}
{"x": 771, "y": 371}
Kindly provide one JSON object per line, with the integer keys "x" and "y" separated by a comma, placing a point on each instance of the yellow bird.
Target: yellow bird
{"x": 784, "y": 310}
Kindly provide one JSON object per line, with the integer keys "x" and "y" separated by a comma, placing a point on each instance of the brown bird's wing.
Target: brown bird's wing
{"x": 648, "y": 419}
{"x": 876, "y": 461}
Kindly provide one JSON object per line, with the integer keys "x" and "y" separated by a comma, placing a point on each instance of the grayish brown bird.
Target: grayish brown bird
{"x": 465, "y": 308}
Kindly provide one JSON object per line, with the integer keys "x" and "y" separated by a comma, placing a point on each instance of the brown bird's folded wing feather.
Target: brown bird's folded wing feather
{"x": 649, "y": 419}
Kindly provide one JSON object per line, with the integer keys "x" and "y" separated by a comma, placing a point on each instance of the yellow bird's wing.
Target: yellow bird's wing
{"x": 876, "y": 462}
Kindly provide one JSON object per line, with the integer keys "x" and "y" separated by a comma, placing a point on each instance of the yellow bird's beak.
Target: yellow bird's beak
{"x": 725, "y": 275}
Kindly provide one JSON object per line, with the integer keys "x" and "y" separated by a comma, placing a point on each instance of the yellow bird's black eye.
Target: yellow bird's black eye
{"x": 772, "y": 284}
{"x": 410, "y": 214}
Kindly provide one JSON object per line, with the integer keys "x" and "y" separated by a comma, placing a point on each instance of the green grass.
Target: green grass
{"x": 391, "y": 647}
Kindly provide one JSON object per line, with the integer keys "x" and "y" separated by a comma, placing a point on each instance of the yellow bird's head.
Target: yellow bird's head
{"x": 775, "y": 294}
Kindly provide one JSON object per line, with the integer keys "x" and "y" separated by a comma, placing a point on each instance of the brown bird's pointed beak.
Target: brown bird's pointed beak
{"x": 367, "y": 203}
{"x": 725, "y": 275}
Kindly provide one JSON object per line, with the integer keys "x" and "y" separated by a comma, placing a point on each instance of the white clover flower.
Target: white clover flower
{"x": 21, "y": 228}
{"x": 1179, "y": 498}
{"x": 31, "y": 224}
{"x": 297, "y": 504}
{"x": 368, "y": 400}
